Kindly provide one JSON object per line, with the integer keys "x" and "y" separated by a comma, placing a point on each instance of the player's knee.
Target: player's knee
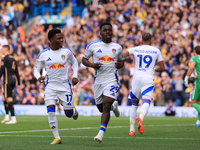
{"x": 146, "y": 101}
{"x": 107, "y": 107}
{"x": 51, "y": 109}
{"x": 100, "y": 109}
{"x": 69, "y": 115}
{"x": 135, "y": 102}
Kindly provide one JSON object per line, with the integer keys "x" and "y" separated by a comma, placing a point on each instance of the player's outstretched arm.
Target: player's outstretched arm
{"x": 119, "y": 64}
{"x": 89, "y": 64}
{"x": 75, "y": 69}
{"x": 37, "y": 69}
{"x": 74, "y": 81}
{"x": 161, "y": 66}
{"x": 125, "y": 53}
{"x": 191, "y": 68}
{"x": 2, "y": 69}
{"x": 189, "y": 72}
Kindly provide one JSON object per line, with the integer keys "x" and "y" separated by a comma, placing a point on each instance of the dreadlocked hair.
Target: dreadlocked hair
{"x": 146, "y": 37}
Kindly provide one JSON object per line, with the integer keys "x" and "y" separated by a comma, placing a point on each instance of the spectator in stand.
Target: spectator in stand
{"x": 19, "y": 97}
{"x": 29, "y": 99}
{"x": 160, "y": 97}
{"x": 26, "y": 10}
{"x": 3, "y": 40}
{"x": 89, "y": 98}
{"x": 171, "y": 109}
{"x": 81, "y": 96}
{"x": 178, "y": 83}
{"x": 18, "y": 15}
{"x": 169, "y": 94}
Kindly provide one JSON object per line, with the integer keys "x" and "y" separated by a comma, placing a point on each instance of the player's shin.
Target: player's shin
{"x": 198, "y": 120}
{"x": 73, "y": 114}
{"x": 133, "y": 115}
{"x": 198, "y": 117}
{"x": 69, "y": 115}
{"x": 114, "y": 108}
{"x": 100, "y": 135}
{"x": 102, "y": 129}
{"x": 6, "y": 107}
{"x": 12, "y": 111}
{"x": 53, "y": 123}
{"x": 196, "y": 106}
{"x": 6, "y": 119}
{"x": 144, "y": 109}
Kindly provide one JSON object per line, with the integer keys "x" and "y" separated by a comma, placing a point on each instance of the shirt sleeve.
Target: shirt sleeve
{"x": 159, "y": 56}
{"x": 17, "y": 73}
{"x": 38, "y": 66}
{"x": 88, "y": 52}
{"x": 74, "y": 64}
{"x": 120, "y": 55}
{"x": 131, "y": 51}
{"x": 192, "y": 59}
{"x": 2, "y": 69}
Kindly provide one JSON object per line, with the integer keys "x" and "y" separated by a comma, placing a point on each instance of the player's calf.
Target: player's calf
{"x": 73, "y": 114}
{"x": 115, "y": 109}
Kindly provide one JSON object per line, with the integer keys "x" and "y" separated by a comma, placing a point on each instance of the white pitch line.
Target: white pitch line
{"x": 139, "y": 138}
{"x": 88, "y": 128}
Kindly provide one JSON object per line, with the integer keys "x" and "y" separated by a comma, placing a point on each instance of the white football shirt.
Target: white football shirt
{"x": 146, "y": 57}
{"x": 107, "y": 54}
{"x": 56, "y": 66}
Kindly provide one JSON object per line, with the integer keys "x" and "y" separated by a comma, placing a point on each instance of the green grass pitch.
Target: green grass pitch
{"x": 160, "y": 133}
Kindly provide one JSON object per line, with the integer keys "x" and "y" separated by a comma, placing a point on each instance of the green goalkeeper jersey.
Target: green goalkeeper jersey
{"x": 196, "y": 59}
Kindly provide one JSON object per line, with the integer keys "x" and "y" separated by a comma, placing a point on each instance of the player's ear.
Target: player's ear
{"x": 150, "y": 41}
{"x": 51, "y": 40}
{"x": 100, "y": 32}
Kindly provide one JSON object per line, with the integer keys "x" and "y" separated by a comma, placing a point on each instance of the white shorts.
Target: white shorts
{"x": 108, "y": 89}
{"x": 142, "y": 88}
{"x": 65, "y": 98}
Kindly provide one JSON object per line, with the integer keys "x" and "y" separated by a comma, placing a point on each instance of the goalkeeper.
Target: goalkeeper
{"x": 195, "y": 94}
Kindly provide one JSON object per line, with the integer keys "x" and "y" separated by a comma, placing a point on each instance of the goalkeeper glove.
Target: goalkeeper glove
{"x": 186, "y": 81}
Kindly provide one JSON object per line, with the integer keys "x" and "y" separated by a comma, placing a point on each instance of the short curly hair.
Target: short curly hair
{"x": 52, "y": 32}
{"x": 197, "y": 50}
{"x": 105, "y": 23}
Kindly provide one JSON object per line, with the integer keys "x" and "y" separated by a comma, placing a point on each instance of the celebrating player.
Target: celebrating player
{"x": 10, "y": 72}
{"x": 57, "y": 84}
{"x": 195, "y": 95}
{"x": 146, "y": 57}
{"x": 107, "y": 58}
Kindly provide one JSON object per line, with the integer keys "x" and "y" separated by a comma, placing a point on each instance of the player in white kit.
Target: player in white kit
{"x": 146, "y": 57}
{"x": 57, "y": 85}
{"x": 107, "y": 58}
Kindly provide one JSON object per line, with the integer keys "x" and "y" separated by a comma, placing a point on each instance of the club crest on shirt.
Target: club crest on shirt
{"x": 114, "y": 50}
{"x": 63, "y": 57}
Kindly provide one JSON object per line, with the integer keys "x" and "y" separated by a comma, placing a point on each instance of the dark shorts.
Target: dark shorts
{"x": 8, "y": 88}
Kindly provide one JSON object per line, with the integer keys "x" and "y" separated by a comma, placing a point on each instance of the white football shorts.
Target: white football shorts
{"x": 142, "y": 88}
{"x": 107, "y": 89}
{"x": 65, "y": 98}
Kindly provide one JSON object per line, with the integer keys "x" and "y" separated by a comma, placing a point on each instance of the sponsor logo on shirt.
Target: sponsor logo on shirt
{"x": 56, "y": 66}
{"x": 106, "y": 59}
{"x": 49, "y": 59}
{"x": 99, "y": 51}
{"x": 114, "y": 50}
{"x": 63, "y": 57}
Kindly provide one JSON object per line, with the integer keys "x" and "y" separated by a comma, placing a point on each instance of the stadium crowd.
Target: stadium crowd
{"x": 174, "y": 24}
